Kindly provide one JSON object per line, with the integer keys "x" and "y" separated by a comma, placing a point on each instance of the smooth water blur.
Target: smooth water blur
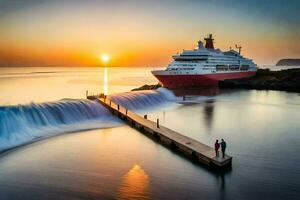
{"x": 261, "y": 129}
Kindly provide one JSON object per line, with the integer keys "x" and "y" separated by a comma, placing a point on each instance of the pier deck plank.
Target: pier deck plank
{"x": 204, "y": 152}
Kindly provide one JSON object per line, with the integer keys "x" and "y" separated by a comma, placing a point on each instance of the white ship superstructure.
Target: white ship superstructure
{"x": 205, "y": 66}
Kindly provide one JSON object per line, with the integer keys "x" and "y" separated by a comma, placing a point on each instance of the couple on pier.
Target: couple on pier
{"x": 223, "y": 147}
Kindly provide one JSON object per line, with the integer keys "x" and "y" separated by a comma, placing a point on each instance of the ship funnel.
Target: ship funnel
{"x": 200, "y": 45}
{"x": 209, "y": 42}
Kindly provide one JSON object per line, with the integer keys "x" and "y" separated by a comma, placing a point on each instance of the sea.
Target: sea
{"x": 56, "y": 144}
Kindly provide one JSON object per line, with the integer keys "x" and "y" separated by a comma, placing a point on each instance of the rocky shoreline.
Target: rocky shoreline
{"x": 147, "y": 87}
{"x": 284, "y": 80}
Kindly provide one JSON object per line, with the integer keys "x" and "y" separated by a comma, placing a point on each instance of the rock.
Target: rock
{"x": 147, "y": 87}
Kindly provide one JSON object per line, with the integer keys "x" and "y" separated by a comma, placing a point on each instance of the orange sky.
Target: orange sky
{"x": 72, "y": 33}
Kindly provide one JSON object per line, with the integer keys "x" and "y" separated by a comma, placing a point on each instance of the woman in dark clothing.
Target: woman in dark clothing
{"x": 217, "y": 146}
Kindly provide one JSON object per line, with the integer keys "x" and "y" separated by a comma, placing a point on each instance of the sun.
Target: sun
{"x": 105, "y": 58}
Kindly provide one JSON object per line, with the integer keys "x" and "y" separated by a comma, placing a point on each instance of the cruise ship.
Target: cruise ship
{"x": 205, "y": 66}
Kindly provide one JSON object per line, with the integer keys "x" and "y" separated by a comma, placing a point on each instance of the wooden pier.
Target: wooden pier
{"x": 191, "y": 148}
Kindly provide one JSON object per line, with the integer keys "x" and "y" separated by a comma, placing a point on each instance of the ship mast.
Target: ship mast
{"x": 239, "y": 48}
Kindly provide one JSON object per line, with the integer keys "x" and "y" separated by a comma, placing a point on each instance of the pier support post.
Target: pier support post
{"x": 104, "y": 98}
{"x": 145, "y": 116}
{"x": 157, "y": 123}
{"x": 126, "y": 111}
{"x": 118, "y": 107}
{"x": 86, "y": 93}
{"x": 110, "y": 103}
{"x": 183, "y": 98}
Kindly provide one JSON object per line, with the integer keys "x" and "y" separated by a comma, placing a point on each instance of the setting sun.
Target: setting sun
{"x": 105, "y": 58}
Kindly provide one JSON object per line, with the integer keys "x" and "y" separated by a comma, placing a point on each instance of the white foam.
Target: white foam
{"x": 25, "y": 123}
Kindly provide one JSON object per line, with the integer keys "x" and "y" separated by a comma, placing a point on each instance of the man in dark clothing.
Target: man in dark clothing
{"x": 223, "y": 147}
{"x": 217, "y": 146}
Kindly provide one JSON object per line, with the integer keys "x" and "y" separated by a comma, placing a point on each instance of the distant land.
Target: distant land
{"x": 288, "y": 62}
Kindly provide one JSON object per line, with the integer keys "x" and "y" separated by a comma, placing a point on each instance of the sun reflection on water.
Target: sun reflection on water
{"x": 105, "y": 82}
{"x": 134, "y": 185}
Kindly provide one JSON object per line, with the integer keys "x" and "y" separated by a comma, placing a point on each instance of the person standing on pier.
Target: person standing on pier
{"x": 217, "y": 146}
{"x": 223, "y": 147}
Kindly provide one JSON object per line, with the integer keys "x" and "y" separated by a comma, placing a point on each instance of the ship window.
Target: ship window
{"x": 244, "y": 67}
{"x": 222, "y": 68}
{"x": 234, "y": 67}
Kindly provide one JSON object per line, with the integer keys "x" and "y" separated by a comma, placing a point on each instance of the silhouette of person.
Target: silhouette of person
{"x": 223, "y": 147}
{"x": 217, "y": 146}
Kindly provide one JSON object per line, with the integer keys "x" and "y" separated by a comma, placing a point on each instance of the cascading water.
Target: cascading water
{"x": 24, "y": 123}
{"x": 147, "y": 100}
{"x": 141, "y": 101}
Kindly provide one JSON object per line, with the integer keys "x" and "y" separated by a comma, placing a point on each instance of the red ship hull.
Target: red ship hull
{"x": 185, "y": 81}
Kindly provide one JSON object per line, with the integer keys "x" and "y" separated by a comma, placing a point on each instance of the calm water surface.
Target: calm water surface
{"x": 261, "y": 129}
{"x": 33, "y": 84}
